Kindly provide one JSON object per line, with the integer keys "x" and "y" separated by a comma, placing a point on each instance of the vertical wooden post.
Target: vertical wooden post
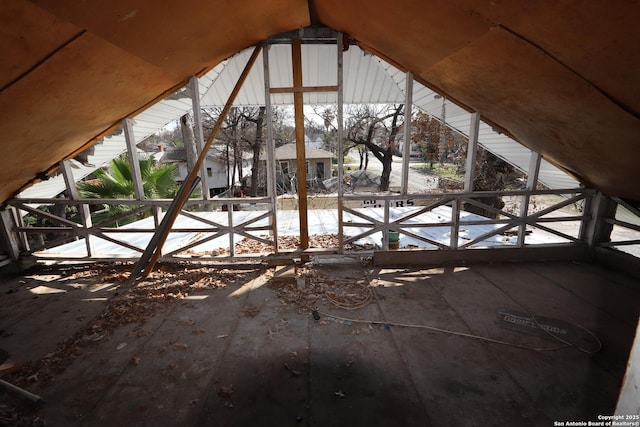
{"x": 406, "y": 148}
{"x": 385, "y": 229}
{"x": 340, "y": 46}
{"x": 272, "y": 191}
{"x": 532, "y": 180}
{"x": 83, "y": 208}
{"x": 301, "y": 170}
{"x": 152, "y": 252}
{"x": 132, "y": 151}
{"x": 472, "y": 149}
{"x": 597, "y": 230}
{"x": 455, "y": 223}
{"x": 9, "y": 236}
{"x": 194, "y": 85}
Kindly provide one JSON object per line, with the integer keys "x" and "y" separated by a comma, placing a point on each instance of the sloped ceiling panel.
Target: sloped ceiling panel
{"x": 77, "y": 68}
{"x": 561, "y": 77}
{"x": 563, "y": 117}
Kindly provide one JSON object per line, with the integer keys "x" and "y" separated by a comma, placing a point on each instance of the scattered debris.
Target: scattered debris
{"x": 121, "y": 346}
{"x": 166, "y": 285}
{"x": 225, "y": 392}
{"x": 250, "y": 311}
{"x": 279, "y": 329}
{"x": 251, "y": 246}
{"x": 179, "y": 346}
{"x": 345, "y": 293}
{"x": 340, "y": 321}
{"x": 293, "y": 371}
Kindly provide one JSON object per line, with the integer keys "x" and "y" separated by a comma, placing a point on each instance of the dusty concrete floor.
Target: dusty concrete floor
{"x": 200, "y": 346}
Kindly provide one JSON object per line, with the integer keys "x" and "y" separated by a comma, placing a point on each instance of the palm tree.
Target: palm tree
{"x": 117, "y": 183}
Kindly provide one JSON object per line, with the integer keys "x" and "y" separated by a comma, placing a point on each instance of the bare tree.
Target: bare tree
{"x": 377, "y": 130}
{"x": 256, "y": 144}
{"x": 189, "y": 142}
{"x": 425, "y": 135}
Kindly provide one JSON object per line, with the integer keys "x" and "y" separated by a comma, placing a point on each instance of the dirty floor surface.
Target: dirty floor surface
{"x": 203, "y": 346}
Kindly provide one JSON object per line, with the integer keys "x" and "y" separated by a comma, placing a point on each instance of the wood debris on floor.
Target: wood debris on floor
{"x": 313, "y": 287}
{"x": 168, "y": 284}
{"x": 251, "y": 246}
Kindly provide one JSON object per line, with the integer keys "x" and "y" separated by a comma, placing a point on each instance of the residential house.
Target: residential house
{"x": 216, "y": 168}
{"x": 318, "y": 167}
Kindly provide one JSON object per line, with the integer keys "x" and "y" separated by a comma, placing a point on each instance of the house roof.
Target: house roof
{"x": 288, "y": 152}
{"x": 560, "y": 77}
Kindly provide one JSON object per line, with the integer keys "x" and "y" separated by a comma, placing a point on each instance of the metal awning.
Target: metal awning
{"x": 367, "y": 79}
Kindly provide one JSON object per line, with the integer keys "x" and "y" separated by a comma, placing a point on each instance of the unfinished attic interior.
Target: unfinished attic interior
{"x": 319, "y": 213}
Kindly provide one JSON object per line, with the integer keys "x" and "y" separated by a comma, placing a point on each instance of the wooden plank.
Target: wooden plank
{"x": 191, "y": 178}
{"x": 497, "y": 254}
{"x": 132, "y": 151}
{"x": 301, "y": 172}
{"x": 301, "y": 89}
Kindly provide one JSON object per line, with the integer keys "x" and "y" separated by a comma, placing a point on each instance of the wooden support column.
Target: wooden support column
{"x": 194, "y": 85}
{"x": 83, "y": 208}
{"x": 9, "y": 236}
{"x": 340, "y": 48}
{"x": 472, "y": 150}
{"x": 153, "y": 250}
{"x": 532, "y": 181}
{"x": 270, "y": 148}
{"x": 298, "y": 103}
{"x": 406, "y": 148}
{"x": 132, "y": 151}
{"x": 455, "y": 223}
{"x": 301, "y": 172}
{"x": 597, "y": 230}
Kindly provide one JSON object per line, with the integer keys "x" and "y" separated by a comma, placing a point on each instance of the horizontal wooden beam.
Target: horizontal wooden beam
{"x": 298, "y": 89}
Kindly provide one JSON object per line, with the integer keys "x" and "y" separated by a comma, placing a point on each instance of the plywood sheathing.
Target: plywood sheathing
{"x": 597, "y": 40}
{"x": 546, "y": 106}
{"x": 559, "y": 77}
{"x": 414, "y": 34}
{"x": 182, "y": 37}
{"x": 28, "y": 34}
{"x": 77, "y": 69}
{"x": 448, "y": 45}
{"x": 63, "y": 103}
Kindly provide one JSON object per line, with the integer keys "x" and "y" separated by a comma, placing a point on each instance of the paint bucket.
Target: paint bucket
{"x": 394, "y": 239}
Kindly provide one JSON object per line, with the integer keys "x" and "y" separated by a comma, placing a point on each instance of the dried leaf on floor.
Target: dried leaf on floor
{"x": 250, "y": 311}
{"x": 225, "y": 392}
